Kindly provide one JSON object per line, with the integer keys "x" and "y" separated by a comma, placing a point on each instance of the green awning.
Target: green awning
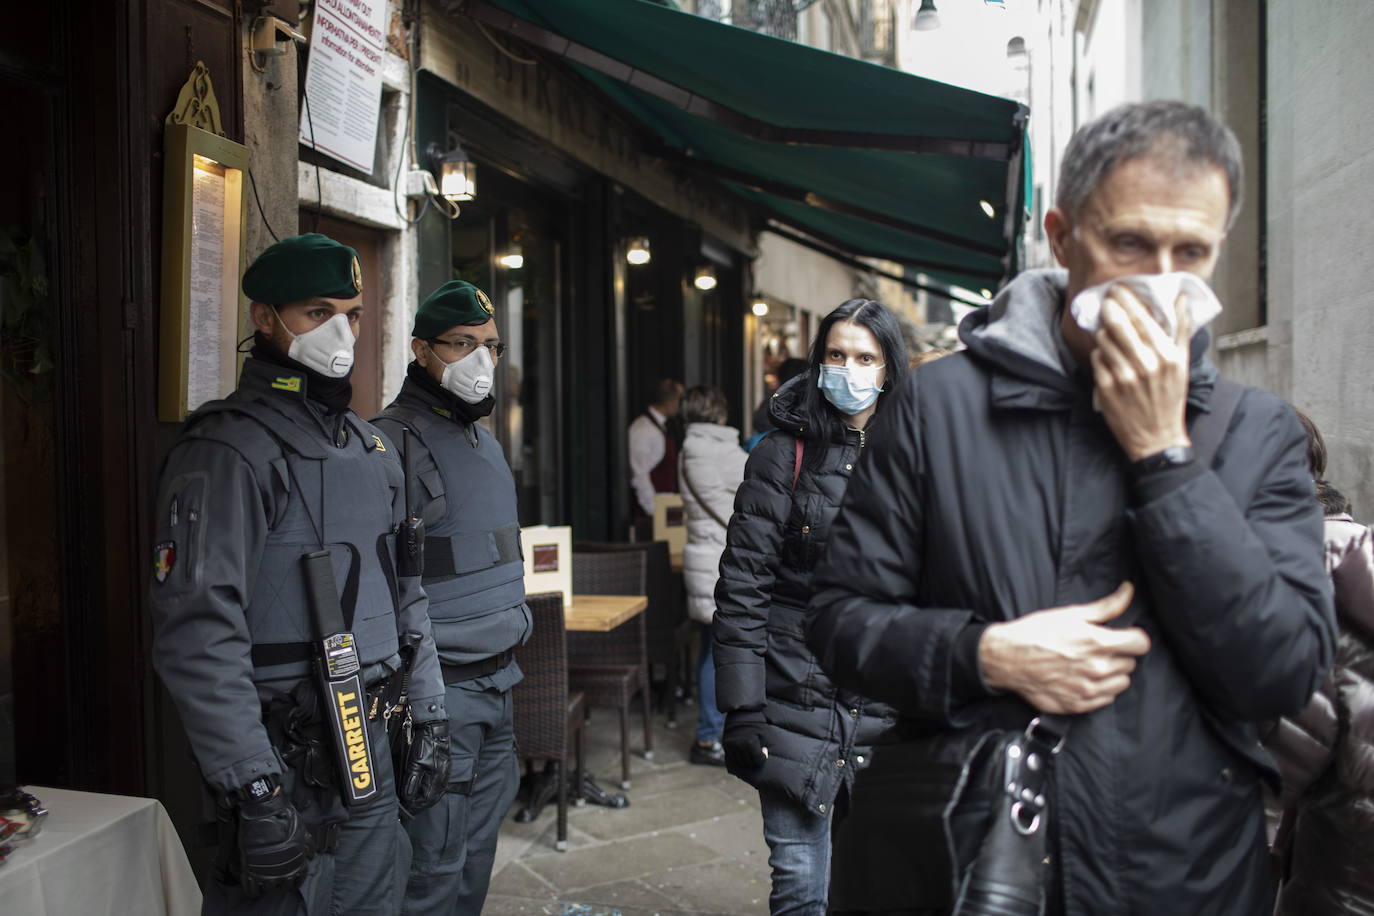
{"x": 871, "y": 160}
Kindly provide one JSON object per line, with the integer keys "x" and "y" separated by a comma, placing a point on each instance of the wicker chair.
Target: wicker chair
{"x": 613, "y": 668}
{"x": 549, "y": 716}
{"x": 668, "y": 639}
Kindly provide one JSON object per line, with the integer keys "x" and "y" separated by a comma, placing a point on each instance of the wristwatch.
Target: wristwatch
{"x": 1172, "y": 457}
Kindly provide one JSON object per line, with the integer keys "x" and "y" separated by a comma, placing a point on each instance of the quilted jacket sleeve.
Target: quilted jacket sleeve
{"x": 1240, "y": 591}
{"x": 748, "y": 569}
{"x": 867, "y": 629}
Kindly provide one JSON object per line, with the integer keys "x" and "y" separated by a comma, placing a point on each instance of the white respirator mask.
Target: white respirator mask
{"x": 470, "y": 378}
{"x": 328, "y": 349}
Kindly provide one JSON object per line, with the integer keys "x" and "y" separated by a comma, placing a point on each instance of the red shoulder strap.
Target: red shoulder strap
{"x": 797, "y": 461}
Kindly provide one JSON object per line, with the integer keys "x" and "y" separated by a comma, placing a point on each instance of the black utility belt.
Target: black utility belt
{"x": 378, "y": 695}
{"x": 453, "y": 674}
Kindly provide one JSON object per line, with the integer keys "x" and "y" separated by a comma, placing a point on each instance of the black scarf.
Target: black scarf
{"x": 468, "y": 413}
{"x": 333, "y": 393}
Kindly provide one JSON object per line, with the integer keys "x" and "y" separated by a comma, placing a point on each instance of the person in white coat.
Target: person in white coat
{"x": 711, "y": 470}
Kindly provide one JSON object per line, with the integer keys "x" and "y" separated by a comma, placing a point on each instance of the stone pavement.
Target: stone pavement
{"x": 691, "y": 841}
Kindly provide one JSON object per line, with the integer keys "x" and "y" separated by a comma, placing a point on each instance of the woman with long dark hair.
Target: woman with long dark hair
{"x": 788, "y": 731}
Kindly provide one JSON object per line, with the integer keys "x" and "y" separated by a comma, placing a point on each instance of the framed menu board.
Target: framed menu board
{"x": 204, "y": 209}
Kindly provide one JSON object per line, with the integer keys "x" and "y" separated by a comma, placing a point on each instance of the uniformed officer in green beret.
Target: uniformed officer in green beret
{"x": 474, "y": 576}
{"x": 277, "y": 516}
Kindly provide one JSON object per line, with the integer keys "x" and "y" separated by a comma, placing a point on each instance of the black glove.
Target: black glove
{"x": 426, "y": 770}
{"x": 744, "y": 740}
{"x": 274, "y": 847}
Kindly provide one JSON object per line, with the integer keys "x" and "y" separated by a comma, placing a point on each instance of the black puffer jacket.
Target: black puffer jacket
{"x": 993, "y": 489}
{"x": 815, "y": 739}
{"x": 1328, "y": 838}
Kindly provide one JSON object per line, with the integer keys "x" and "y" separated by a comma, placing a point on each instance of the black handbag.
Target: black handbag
{"x": 998, "y": 817}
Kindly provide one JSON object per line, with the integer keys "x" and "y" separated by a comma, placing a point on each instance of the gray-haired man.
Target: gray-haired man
{"x": 1030, "y": 532}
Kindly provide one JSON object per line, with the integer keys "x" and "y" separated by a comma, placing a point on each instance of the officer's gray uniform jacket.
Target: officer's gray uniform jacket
{"x": 239, "y": 503}
{"x": 474, "y": 571}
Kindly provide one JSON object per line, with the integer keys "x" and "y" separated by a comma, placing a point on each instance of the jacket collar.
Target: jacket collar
{"x": 1018, "y": 339}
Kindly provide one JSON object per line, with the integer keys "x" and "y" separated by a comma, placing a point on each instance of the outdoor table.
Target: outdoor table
{"x": 601, "y": 613}
{"x": 99, "y": 855}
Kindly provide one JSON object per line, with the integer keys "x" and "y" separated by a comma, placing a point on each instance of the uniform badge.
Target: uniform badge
{"x": 164, "y": 558}
{"x": 380, "y": 447}
{"x": 287, "y": 383}
{"x": 484, "y": 302}
{"x": 357, "y": 275}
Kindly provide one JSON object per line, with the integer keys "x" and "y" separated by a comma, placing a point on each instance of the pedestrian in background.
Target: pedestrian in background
{"x": 788, "y": 369}
{"x": 712, "y": 470}
{"x": 654, "y": 444}
{"x": 1325, "y": 841}
{"x": 788, "y": 731}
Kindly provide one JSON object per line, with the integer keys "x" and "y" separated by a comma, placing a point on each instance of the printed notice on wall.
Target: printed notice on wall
{"x": 343, "y": 85}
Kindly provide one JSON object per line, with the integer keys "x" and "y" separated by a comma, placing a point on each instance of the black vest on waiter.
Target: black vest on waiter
{"x": 474, "y": 570}
{"x": 339, "y": 496}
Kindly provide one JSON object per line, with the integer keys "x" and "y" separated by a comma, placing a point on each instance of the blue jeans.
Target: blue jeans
{"x": 799, "y": 854}
{"x": 710, "y": 721}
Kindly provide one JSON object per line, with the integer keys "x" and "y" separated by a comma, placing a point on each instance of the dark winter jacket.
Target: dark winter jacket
{"x": 1328, "y": 838}
{"x": 994, "y": 489}
{"x": 815, "y": 738}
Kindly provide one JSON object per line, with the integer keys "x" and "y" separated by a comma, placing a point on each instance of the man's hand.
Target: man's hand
{"x": 274, "y": 847}
{"x": 1142, "y": 375}
{"x": 1065, "y": 660}
{"x": 426, "y": 769}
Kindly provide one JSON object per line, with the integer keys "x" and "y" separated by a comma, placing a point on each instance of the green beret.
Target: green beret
{"x": 456, "y": 302}
{"x": 304, "y": 267}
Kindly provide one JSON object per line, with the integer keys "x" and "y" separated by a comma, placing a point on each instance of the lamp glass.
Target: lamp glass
{"x": 760, "y": 307}
{"x": 705, "y": 278}
{"x": 926, "y": 17}
{"x": 637, "y": 251}
{"x": 513, "y": 259}
{"x": 988, "y": 209}
{"x": 458, "y": 179}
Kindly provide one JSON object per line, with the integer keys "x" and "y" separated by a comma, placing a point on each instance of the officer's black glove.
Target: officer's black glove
{"x": 744, "y": 740}
{"x": 426, "y": 771}
{"x": 274, "y": 847}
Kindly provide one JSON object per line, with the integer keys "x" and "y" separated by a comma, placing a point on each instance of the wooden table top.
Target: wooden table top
{"x": 601, "y": 613}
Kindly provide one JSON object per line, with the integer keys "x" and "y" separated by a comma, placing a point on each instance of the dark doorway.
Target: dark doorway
{"x": 367, "y": 367}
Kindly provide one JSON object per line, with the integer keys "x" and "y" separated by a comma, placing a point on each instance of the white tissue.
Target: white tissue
{"x": 1158, "y": 292}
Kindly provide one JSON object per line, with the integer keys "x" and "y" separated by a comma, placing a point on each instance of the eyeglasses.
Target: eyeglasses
{"x": 464, "y": 346}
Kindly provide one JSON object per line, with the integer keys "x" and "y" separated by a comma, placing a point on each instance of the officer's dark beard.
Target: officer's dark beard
{"x": 468, "y": 413}
{"x": 333, "y": 393}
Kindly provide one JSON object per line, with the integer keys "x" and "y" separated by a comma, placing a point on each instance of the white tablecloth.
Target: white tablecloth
{"x": 99, "y": 855}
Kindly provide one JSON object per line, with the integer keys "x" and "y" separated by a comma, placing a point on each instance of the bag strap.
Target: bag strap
{"x": 682, "y": 472}
{"x": 797, "y": 462}
{"x": 1210, "y": 428}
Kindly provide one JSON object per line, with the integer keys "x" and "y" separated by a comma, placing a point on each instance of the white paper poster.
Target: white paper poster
{"x": 343, "y": 87}
{"x": 205, "y": 344}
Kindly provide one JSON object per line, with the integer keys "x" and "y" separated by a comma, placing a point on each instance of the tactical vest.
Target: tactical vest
{"x": 326, "y": 497}
{"x": 473, "y": 562}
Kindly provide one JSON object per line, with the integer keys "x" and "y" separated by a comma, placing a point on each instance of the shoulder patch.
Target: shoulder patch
{"x": 164, "y": 558}
{"x": 381, "y": 447}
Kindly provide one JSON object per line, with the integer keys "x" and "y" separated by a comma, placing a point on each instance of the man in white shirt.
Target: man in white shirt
{"x": 653, "y": 448}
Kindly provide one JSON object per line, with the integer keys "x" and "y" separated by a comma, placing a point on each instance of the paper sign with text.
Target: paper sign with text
{"x": 343, "y": 84}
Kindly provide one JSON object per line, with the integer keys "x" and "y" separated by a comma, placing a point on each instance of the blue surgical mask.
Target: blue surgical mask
{"x": 852, "y": 389}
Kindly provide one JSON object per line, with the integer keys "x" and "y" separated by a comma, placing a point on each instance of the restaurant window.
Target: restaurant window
{"x": 507, "y": 243}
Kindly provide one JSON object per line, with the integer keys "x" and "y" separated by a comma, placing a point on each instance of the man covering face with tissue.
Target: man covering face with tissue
{"x": 474, "y": 576}
{"x": 1075, "y": 519}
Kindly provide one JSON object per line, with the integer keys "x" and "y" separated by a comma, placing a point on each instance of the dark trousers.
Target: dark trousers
{"x": 454, "y": 843}
{"x": 364, "y": 875}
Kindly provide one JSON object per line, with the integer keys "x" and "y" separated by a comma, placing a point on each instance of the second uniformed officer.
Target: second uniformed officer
{"x": 473, "y": 574}
{"x": 279, "y": 615}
